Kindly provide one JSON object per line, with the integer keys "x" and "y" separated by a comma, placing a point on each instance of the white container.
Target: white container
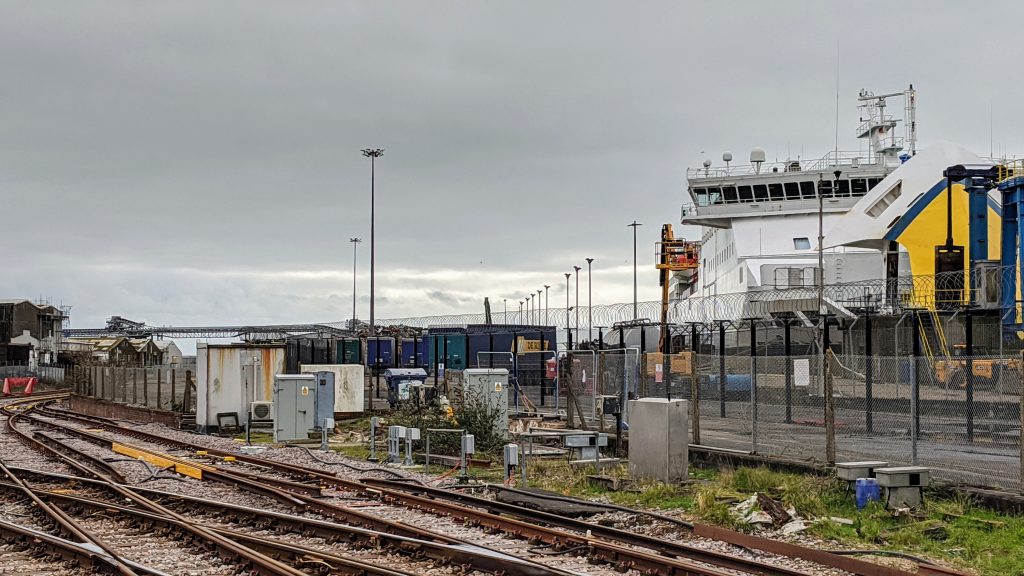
{"x": 349, "y": 385}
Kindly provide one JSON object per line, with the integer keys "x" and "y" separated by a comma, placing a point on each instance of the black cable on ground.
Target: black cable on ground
{"x": 614, "y": 507}
{"x": 397, "y": 475}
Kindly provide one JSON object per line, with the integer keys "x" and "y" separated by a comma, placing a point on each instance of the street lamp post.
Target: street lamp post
{"x": 546, "y": 301}
{"x": 505, "y": 317}
{"x": 568, "y": 329}
{"x": 372, "y": 154}
{"x": 537, "y": 308}
{"x": 520, "y": 317}
{"x": 634, "y": 226}
{"x": 577, "y": 269}
{"x": 355, "y": 247}
{"x": 590, "y": 302}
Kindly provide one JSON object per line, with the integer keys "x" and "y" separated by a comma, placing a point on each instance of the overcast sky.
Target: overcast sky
{"x": 197, "y": 163}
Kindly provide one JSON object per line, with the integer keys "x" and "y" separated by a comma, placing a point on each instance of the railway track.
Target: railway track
{"x": 303, "y": 489}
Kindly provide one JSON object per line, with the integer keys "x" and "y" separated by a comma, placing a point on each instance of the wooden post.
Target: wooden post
{"x": 173, "y": 383}
{"x": 159, "y": 374}
{"x": 135, "y": 385}
{"x": 145, "y": 387}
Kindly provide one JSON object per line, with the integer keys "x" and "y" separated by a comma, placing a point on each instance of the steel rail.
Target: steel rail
{"x": 681, "y": 559}
{"x": 262, "y": 563}
{"x": 268, "y": 546}
{"x": 330, "y": 531}
{"x": 86, "y": 556}
{"x": 455, "y": 550}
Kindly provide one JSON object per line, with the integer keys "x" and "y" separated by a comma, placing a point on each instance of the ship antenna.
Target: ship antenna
{"x": 837, "y": 102}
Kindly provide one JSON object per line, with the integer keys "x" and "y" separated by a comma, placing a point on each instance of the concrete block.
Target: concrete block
{"x": 903, "y": 476}
{"x": 851, "y": 471}
{"x": 904, "y": 497}
{"x": 659, "y": 439}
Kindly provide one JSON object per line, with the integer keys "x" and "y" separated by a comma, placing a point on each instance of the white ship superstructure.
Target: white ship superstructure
{"x": 760, "y": 222}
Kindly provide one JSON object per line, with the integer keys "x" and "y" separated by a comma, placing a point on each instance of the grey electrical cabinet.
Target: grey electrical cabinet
{"x": 488, "y": 386}
{"x": 324, "y": 398}
{"x": 294, "y": 406}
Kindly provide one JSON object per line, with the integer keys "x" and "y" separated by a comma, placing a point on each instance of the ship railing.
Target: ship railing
{"x": 830, "y": 160}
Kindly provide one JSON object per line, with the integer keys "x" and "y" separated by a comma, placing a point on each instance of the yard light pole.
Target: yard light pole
{"x": 355, "y": 248}
{"x": 634, "y": 226}
{"x": 546, "y": 301}
{"x": 568, "y": 329}
{"x": 537, "y": 308}
{"x": 577, "y": 269}
{"x": 372, "y": 154}
{"x": 520, "y": 317}
{"x": 590, "y": 302}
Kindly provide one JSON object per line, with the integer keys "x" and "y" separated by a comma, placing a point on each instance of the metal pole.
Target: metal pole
{"x": 505, "y": 317}
{"x": 568, "y": 330}
{"x": 721, "y": 368}
{"x": 372, "y": 154}
{"x": 788, "y": 343}
{"x": 969, "y": 352}
{"x": 590, "y": 301}
{"x": 538, "y": 306}
{"x": 546, "y": 302}
{"x": 355, "y": 249}
{"x": 577, "y": 269}
{"x": 915, "y": 388}
{"x": 869, "y": 377}
{"x": 634, "y": 226}
{"x": 753, "y": 386}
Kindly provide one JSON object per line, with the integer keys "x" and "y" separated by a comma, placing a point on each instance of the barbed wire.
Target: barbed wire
{"x": 945, "y": 291}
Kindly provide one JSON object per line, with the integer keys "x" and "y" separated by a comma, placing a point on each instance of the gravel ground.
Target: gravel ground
{"x": 355, "y": 469}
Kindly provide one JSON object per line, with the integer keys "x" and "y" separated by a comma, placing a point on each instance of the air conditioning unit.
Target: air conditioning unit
{"x": 261, "y": 413}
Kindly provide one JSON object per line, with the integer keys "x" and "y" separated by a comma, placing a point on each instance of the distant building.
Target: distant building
{"x": 30, "y": 332}
{"x": 121, "y": 351}
{"x": 172, "y": 355}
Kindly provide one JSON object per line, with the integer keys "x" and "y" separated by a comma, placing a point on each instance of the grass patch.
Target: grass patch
{"x": 952, "y": 530}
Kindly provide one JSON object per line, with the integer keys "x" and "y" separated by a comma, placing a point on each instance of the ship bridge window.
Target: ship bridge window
{"x": 746, "y": 195}
{"x": 714, "y": 196}
{"x": 825, "y": 187}
{"x": 872, "y": 182}
{"x": 792, "y": 190}
{"x": 729, "y": 193}
{"x": 844, "y": 188}
{"x": 775, "y": 191}
{"x": 807, "y": 190}
{"x": 801, "y": 243}
{"x": 858, "y": 186}
{"x": 760, "y": 192}
{"x": 701, "y": 194}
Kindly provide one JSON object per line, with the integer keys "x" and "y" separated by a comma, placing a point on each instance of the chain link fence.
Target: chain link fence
{"x": 958, "y": 415}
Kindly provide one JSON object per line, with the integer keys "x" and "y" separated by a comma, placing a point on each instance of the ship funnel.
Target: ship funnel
{"x": 757, "y": 157}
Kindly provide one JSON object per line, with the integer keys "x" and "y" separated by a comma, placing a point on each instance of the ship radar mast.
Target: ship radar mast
{"x": 879, "y": 128}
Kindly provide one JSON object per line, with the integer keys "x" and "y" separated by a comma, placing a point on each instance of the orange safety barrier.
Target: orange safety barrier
{"x": 29, "y": 384}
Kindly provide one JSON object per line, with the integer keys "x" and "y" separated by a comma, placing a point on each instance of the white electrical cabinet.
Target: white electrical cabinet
{"x": 488, "y": 386}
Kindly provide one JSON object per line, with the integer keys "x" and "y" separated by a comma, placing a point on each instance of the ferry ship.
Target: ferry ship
{"x": 874, "y": 212}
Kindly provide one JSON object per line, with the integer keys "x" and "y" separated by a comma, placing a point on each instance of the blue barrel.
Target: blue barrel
{"x": 867, "y": 490}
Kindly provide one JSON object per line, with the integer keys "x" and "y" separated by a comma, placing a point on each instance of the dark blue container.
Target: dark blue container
{"x": 867, "y": 490}
{"x": 386, "y": 352}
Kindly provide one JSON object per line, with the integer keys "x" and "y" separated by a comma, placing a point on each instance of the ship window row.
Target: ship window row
{"x": 778, "y": 191}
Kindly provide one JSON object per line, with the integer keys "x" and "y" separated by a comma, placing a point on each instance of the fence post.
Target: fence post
{"x": 135, "y": 385}
{"x": 1020, "y": 441}
{"x": 869, "y": 377}
{"x": 830, "y": 407}
{"x": 174, "y": 382}
{"x": 145, "y": 387}
{"x": 915, "y": 388}
{"x": 721, "y": 368}
{"x": 159, "y": 377}
{"x": 695, "y": 398}
{"x": 753, "y": 386}
{"x": 788, "y": 370}
{"x": 969, "y": 384}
